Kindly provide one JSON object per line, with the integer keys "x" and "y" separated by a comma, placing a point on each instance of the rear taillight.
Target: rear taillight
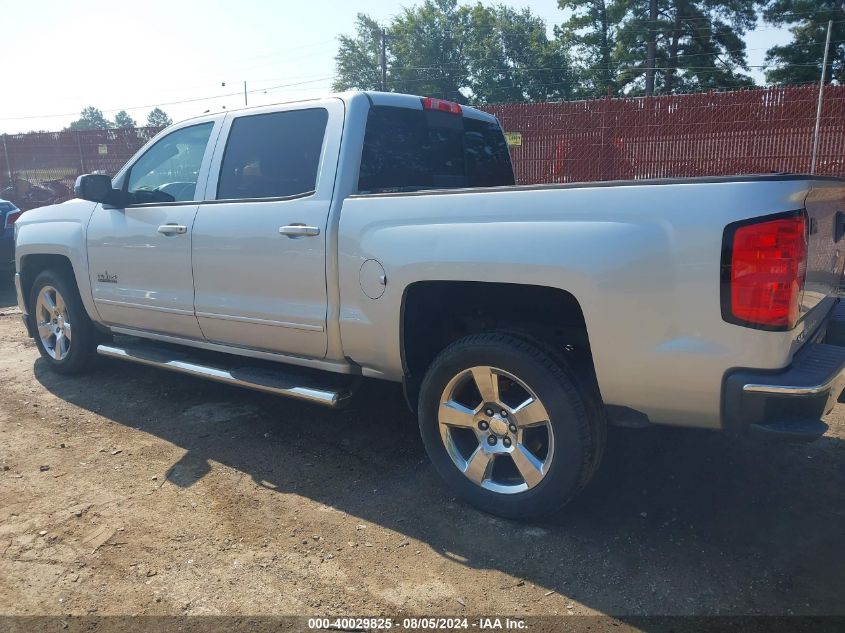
{"x": 429, "y": 103}
{"x": 12, "y": 218}
{"x": 763, "y": 266}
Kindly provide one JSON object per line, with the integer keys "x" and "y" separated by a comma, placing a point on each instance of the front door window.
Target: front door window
{"x": 168, "y": 171}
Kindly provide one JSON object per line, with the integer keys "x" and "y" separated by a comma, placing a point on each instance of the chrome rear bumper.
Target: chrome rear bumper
{"x": 790, "y": 402}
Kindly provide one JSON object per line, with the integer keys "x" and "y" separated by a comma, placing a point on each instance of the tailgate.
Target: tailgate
{"x": 825, "y": 206}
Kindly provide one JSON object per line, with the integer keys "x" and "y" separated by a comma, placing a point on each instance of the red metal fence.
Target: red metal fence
{"x": 39, "y": 168}
{"x": 714, "y": 133}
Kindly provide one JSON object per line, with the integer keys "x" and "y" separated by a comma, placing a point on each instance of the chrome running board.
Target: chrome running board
{"x": 259, "y": 377}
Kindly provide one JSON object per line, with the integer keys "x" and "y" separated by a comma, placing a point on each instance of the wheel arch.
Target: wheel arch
{"x": 60, "y": 243}
{"x": 34, "y": 264}
{"x": 30, "y": 265}
{"x": 466, "y": 307}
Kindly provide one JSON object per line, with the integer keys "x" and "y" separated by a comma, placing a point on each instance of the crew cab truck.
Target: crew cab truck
{"x": 297, "y": 248}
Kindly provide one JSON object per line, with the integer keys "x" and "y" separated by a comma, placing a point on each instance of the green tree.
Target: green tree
{"x": 91, "y": 119}
{"x": 592, "y": 31}
{"x": 800, "y": 61}
{"x": 123, "y": 120}
{"x": 699, "y": 44}
{"x": 466, "y": 53}
{"x": 158, "y": 118}
{"x": 511, "y": 59}
{"x": 659, "y": 46}
{"x": 357, "y": 58}
{"x": 427, "y": 50}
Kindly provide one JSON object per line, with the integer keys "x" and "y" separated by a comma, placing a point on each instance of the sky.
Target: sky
{"x": 58, "y": 57}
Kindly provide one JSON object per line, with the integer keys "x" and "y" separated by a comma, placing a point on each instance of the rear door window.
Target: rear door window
{"x": 273, "y": 155}
{"x": 407, "y": 149}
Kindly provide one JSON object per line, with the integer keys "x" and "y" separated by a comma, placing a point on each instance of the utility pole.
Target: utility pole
{"x": 8, "y": 162}
{"x": 245, "y": 100}
{"x": 82, "y": 169}
{"x": 651, "y": 51}
{"x": 821, "y": 99}
{"x": 382, "y": 60}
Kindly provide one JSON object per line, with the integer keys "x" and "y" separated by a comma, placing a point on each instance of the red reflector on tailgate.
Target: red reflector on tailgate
{"x": 766, "y": 262}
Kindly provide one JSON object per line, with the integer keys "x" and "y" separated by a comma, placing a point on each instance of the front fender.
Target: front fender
{"x": 58, "y": 230}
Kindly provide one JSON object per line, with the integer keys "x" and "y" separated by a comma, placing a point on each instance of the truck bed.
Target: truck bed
{"x": 642, "y": 258}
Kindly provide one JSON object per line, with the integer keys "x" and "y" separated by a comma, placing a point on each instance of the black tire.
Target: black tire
{"x": 579, "y": 367}
{"x": 574, "y": 413}
{"x": 83, "y": 343}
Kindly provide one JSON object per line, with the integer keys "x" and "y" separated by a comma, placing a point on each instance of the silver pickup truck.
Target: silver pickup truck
{"x": 297, "y": 248}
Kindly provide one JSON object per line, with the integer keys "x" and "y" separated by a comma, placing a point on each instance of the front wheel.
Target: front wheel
{"x": 64, "y": 334}
{"x": 507, "y": 426}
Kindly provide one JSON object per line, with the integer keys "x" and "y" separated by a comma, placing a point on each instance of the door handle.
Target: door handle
{"x": 298, "y": 230}
{"x": 173, "y": 229}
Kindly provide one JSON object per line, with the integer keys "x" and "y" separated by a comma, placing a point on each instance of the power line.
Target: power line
{"x": 678, "y": 56}
{"x": 158, "y": 105}
{"x": 700, "y": 30}
{"x": 576, "y": 68}
{"x": 445, "y": 68}
{"x": 785, "y": 17}
{"x": 289, "y": 50}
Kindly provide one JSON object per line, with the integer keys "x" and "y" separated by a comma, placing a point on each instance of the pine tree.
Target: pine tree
{"x": 592, "y": 31}
{"x": 698, "y": 44}
{"x": 123, "y": 120}
{"x": 158, "y": 118}
{"x": 91, "y": 118}
{"x": 800, "y": 61}
{"x": 660, "y": 46}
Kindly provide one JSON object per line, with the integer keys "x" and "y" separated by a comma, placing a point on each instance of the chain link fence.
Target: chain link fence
{"x": 715, "y": 133}
{"x": 706, "y": 134}
{"x": 40, "y": 168}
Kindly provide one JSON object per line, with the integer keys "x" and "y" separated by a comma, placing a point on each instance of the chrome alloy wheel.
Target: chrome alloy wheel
{"x": 51, "y": 318}
{"x": 496, "y": 430}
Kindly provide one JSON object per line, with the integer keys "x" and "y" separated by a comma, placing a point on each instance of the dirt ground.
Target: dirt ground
{"x": 134, "y": 491}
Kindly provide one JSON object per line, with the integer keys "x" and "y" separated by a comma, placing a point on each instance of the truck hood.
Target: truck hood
{"x": 75, "y": 210}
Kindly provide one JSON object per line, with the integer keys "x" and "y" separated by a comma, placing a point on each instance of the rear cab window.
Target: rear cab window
{"x": 409, "y": 150}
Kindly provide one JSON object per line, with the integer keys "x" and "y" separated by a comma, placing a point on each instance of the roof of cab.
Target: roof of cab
{"x": 399, "y": 100}
{"x": 394, "y": 99}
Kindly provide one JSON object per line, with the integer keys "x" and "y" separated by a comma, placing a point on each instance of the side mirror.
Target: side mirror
{"x": 96, "y": 188}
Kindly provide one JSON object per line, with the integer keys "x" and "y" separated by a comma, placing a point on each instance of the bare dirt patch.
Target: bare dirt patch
{"x": 132, "y": 491}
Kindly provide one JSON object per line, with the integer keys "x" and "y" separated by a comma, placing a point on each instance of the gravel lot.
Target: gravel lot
{"x": 133, "y": 491}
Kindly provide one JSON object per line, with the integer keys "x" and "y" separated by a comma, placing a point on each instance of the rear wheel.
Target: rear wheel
{"x": 64, "y": 334}
{"x": 507, "y": 425}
